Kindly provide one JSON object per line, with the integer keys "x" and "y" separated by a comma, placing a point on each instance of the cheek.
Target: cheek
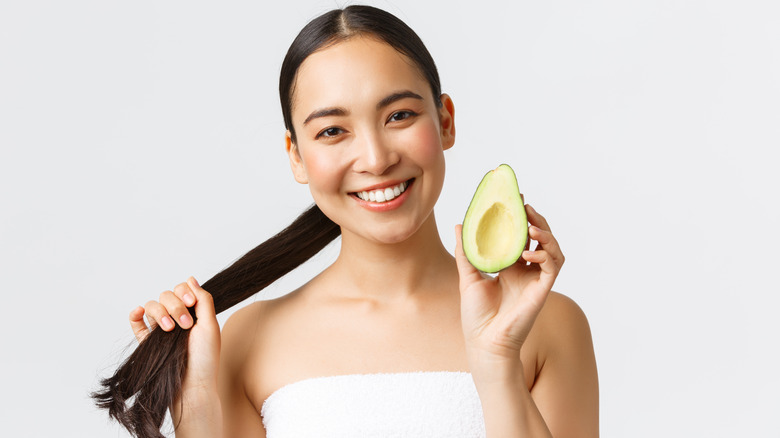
{"x": 320, "y": 170}
{"x": 428, "y": 149}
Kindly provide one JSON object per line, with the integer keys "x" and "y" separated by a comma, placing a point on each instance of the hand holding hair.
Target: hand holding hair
{"x": 172, "y": 306}
{"x": 204, "y": 340}
{"x": 167, "y": 362}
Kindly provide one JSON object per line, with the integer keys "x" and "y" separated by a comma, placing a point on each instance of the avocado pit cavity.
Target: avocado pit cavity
{"x": 495, "y": 232}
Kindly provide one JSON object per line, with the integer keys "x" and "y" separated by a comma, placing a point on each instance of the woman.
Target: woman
{"x": 347, "y": 353}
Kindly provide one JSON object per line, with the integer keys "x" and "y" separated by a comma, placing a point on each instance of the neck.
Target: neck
{"x": 383, "y": 272}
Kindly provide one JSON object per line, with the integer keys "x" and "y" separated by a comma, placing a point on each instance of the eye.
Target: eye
{"x": 401, "y": 115}
{"x": 329, "y": 132}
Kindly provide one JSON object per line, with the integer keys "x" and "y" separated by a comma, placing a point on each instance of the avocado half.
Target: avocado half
{"x": 495, "y": 228}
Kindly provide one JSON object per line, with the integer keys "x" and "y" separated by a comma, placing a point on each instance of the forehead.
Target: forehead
{"x": 360, "y": 70}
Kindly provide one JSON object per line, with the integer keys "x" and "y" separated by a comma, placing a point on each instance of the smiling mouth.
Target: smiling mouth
{"x": 384, "y": 195}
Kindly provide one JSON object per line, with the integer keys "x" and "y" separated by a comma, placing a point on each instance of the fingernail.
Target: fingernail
{"x": 167, "y": 322}
{"x": 535, "y": 228}
{"x": 188, "y": 299}
{"x": 185, "y": 320}
{"x": 195, "y": 282}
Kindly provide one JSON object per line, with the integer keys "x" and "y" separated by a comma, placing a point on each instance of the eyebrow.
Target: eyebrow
{"x": 340, "y": 111}
{"x": 396, "y": 97}
{"x": 325, "y": 112}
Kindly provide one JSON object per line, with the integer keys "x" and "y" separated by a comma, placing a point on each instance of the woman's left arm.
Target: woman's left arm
{"x": 497, "y": 315}
{"x": 566, "y": 388}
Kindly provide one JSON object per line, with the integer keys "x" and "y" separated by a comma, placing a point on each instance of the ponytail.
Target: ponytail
{"x": 147, "y": 383}
{"x": 153, "y": 373}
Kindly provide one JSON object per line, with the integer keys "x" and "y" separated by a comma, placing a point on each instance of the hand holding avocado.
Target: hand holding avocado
{"x": 498, "y": 312}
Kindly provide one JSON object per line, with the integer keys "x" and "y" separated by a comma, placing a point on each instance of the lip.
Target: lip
{"x": 387, "y": 205}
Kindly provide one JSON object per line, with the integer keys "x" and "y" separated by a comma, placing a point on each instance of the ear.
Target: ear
{"x": 447, "y": 121}
{"x": 296, "y": 163}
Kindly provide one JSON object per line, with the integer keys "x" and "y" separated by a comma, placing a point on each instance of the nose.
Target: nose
{"x": 375, "y": 155}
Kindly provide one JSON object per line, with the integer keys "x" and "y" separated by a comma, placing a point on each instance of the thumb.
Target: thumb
{"x": 466, "y": 271}
{"x": 204, "y": 305}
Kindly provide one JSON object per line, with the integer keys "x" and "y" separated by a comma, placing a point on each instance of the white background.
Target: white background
{"x": 142, "y": 142}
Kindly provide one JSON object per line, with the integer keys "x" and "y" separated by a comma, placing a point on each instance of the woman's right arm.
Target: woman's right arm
{"x": 212, "y": 402}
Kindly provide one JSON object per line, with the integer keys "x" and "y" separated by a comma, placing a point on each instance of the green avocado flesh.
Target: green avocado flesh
{"x": 495, "y": 228}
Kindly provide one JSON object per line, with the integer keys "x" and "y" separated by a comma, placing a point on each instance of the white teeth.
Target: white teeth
{"x": 383, "y": 195}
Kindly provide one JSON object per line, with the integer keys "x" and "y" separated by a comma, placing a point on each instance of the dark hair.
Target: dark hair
{"x": 341, "y": 24}
{"x": 145, "y": 385}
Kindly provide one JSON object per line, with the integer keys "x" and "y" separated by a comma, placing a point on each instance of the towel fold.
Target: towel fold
{"x": 426, "y": 404}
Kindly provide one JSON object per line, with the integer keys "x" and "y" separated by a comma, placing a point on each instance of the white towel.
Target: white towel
{"x": 433, "y": 404}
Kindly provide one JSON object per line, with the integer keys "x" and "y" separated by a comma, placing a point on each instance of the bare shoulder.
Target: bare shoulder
{"x": 562, "y": 321}
{"x": 251, "y": 318}
{"x": 246, "y": 329}
{"x": 561, "y": 304}
{"x": 244, "y": 373}
{"x": 561, "y": 333}
{"x": 241, "y": 414}
{"x": 566, "y": 384}
{"x": 239, "y": 340}
{"x": 241, "y": 323}
{"x": 257, "y": 335}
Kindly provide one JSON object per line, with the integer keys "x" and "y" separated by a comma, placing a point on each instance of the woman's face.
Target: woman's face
{"x": 367, "y": 129}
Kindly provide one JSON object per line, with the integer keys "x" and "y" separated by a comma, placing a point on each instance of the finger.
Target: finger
{"x": 467, "y": 273}
{"x": 185, "y": 294}
{"x": 140, "y": 329}
{"x": 527, "y": 240}
{"x": 547, "y": 265}
{"x": 545, "y": 240}
{"x": 535, "y": 218}
{"x": 176, "y": 308}
{"x": 157, "y": 315}
{"x": 204, "y": 306}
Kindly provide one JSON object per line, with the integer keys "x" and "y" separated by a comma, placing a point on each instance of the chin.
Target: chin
{"x": 385, "y": 236}
{"x": 392, "y": 239}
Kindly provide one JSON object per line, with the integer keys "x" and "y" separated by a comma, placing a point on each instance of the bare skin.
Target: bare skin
{"x": 395, "y": 300}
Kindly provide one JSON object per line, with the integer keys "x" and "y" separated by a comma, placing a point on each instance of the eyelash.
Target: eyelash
{"x": 408, "y": 114}
{"x": 324, "y": 133}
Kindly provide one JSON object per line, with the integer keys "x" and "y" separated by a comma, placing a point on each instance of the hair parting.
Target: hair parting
{"x": 341, "y": 24}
